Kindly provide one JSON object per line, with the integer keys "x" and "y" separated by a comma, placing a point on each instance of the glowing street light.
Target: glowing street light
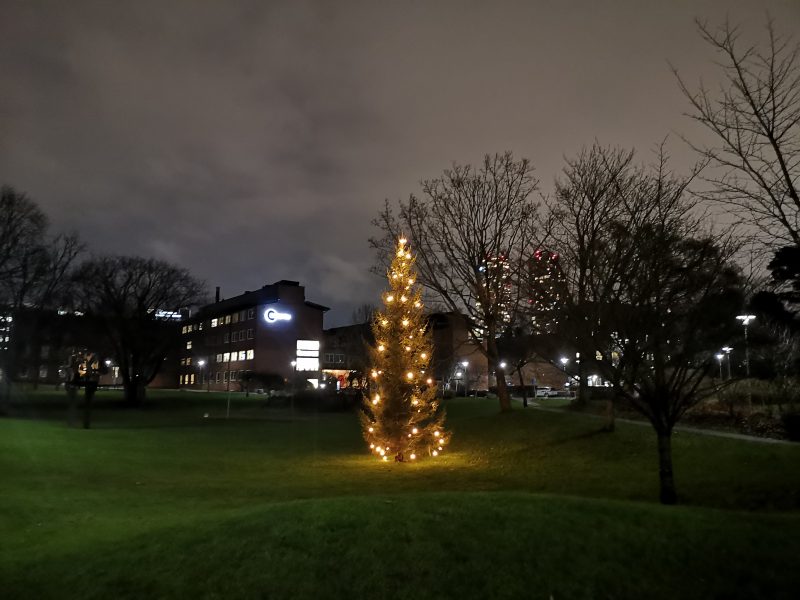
{"x": 465, "y": 364}
{"x": 202, "y": 363}
{"x": 719, "y": 357}
{"x": 564, "y": 360}
{"x": 745, "y": 319}
{"x": 727, "y": 351}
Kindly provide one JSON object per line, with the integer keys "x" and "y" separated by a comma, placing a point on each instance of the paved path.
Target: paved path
{"x": 681, "y": 428}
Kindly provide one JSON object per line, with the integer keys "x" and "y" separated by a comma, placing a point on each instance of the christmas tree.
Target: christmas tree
{"x": 402, "y": 417}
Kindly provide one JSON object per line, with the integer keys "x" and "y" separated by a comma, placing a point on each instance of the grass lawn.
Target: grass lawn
{"x": 164, "y": 503}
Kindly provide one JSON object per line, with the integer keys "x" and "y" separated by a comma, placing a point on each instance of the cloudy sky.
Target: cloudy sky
{"x": 255, "y": 141}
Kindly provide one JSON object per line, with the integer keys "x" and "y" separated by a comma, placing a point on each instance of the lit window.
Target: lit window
{"x": 213, "y": 322}
{"x": 191, "y": 378}
{"x": 235, "y": 318}
{"x": 189, "y": 345}
{"x": 219, "y": 358}
{"x": 226, "y": 357}
{"x": 43, "y": 372}
{"x": 227, "y": 319}
{"x": 242, "y": 355}
{"x": 305, "y": 363}
{"x": 189, "y": 361}
{"x": 251, "y": 354}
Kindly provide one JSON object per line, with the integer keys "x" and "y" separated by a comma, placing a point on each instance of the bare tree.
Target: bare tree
{"x": 599, "y": 195}
{"x": 136, "y": 298}
{"x": 471, "y": 228}
{"x": 35, "y": 268}
{"x": 663, "y": 293}
{"x": 755, "y": 119}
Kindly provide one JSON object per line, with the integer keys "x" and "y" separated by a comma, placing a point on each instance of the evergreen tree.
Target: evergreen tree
{"x": 402, "y": 417}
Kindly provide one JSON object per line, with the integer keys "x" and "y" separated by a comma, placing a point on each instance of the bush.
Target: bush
{"x": 791, "y": 423}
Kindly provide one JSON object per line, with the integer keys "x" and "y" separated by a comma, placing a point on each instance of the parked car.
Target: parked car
{"x": 543, "y": 392}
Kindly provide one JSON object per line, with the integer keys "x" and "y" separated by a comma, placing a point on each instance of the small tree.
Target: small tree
{"x": 402, "y": 416}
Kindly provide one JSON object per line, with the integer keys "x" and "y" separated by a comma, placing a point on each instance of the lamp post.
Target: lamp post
{"x": 564, "y": 361}
{"x": 294, "y": 384}
{"x": 201, "y": 363}
{"x": 745, "y": 319}
{"x": 719, "y": 358}
{"x": 465, "y": 364}
{"x": 727, "y": 351}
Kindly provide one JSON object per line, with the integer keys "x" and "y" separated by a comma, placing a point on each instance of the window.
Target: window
{"x": 183, "y": 361}
{"x": 181, "y": 379}
{"x": 189, "y": 360}
{"x": 227, "y": 319}
{"x": 251, "y": 313}
{"x": 214, "y": 322}
{"x": 224, "y": 376}
{"x": 243, "y": 315}
{"x": 200, "y": 327}
{"x": 191, "y": 378}
{"x": 235, "y": 318}
{"x": 189, "y": 345}
{"x": 251, "y": 354}
{"x": 242, "y": 355}
{"x": 225, "y": 339}
{"x": 249, "y": 334}
{"x": 233, "y": 375}
{"x": 218, "y": 377}
{"x": 183, "y": 329}
{"x": 219, "y": 358}
{"x": 226, "y": 357}
{"x": 43, "y": 372}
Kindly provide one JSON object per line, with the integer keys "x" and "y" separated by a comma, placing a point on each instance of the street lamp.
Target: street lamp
{"x": 294, "y": 384}
{"x": 727, "y": 351}
{"x": 201, "y": 363}
{"x": 745, "y": 319}
{"x": 719, "y": 358}
{"x": 465, "y": 364}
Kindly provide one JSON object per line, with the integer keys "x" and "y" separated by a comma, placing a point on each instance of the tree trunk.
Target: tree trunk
{"x": 503, "y": 395}
{"x": 502, "y": 389}
{"x": 524, "y": 389}
{"x": 583, "y": 385}
{"x": 611, "y": 414}
{"x": 134, "y": 393}
{"x": 88, "y": 396}
{"x": 667, "y": 493}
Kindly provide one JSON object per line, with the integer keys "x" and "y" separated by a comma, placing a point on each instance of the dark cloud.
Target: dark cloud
{"x": 254, "y": 141}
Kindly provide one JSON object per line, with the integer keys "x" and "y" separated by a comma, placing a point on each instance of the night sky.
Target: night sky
{"x": 255, "y": 141}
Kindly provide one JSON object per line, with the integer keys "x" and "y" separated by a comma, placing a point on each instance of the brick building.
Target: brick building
{"x": 252, "y": 340}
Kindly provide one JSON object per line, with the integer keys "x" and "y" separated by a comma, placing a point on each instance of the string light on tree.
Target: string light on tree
{"x": 402, "y": 358}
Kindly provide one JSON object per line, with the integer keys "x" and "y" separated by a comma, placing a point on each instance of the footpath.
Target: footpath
{"x": 678, "y": 428}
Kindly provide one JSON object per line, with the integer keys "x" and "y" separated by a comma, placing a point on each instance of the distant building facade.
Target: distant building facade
{"x": 251, "y": 340}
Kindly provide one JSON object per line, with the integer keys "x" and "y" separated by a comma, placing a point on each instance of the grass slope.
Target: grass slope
{"x": 165, "y": 503}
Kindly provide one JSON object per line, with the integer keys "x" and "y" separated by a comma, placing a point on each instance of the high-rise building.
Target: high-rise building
{"x": 546, "y": 289}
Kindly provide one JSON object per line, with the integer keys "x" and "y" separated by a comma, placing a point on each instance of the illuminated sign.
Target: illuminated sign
{"x": 307, "y": 355}
{"x": 271, "y": 316}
